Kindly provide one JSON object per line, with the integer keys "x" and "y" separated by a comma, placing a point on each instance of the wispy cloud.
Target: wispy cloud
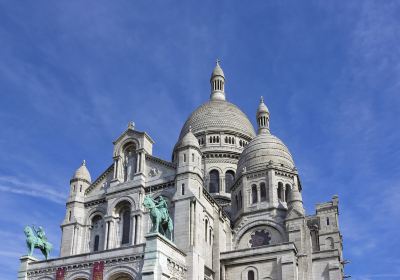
{"x": 17, "y": 186}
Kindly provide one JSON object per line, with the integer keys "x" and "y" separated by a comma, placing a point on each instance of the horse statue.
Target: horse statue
{"x": 162, "y": 222}
{"x": 36, "y": 238}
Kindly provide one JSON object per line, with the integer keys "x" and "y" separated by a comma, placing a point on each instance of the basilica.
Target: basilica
{"x": 234, "y": 197}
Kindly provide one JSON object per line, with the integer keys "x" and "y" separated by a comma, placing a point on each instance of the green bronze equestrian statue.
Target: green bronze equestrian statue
{"x": 162, "y": 222}
{"x": 36, "y": 238}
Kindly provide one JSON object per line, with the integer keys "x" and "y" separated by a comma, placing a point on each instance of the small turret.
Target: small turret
{"x": 295, "y": 200}
{"x": 217, "y": 83}
{"x": 80, "y": 181}
{"x": 262, "y": 117}
{"x": 75, "y": 212}
{"x": 189, "y": 154}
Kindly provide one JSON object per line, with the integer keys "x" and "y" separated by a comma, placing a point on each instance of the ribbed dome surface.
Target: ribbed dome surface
{"x": 263, "y": 148}
{"x": 82, "y": 173}
{"x": 218, "y": 115}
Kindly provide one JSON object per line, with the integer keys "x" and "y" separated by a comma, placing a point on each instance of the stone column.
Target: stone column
{"x": 137, "y": 163}
{"x": 105, "y": 245}
{"x": 271, "y": 188}
{"x": 115, "y": 174}
{"x": 142, "y": 161}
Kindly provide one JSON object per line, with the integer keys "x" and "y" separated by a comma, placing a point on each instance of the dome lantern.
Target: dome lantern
{"x": 262, "y": 117}
{"x": 217, "y": 83}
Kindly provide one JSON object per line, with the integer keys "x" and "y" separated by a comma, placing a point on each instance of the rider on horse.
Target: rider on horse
{"x": 163, "y": 206}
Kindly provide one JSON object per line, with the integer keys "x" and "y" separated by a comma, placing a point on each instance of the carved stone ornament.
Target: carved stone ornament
{"x": 260, "y": 238}
{"x": 154, "y": 172}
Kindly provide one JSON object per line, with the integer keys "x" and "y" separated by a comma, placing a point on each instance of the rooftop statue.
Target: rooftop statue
{"x": 36, "y": 238}
{"x": 162, "y": 222}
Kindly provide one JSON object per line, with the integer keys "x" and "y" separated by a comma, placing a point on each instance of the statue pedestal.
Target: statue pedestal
{"x": 162, "y": 259}
{"x": 23, "y": 268}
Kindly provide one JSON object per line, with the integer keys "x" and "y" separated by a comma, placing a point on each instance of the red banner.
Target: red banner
{"x": 98, "y": 268}
{"x": 60, "y": 273}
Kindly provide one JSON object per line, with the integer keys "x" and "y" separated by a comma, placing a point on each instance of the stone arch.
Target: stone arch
{"x": 241, "y": 232}
{"x": 117, "y": 272}
{"x": 120, "y": 146}
{"x": 130, "y": 200}
{"x": 80, "y": 275}
{"x": 246, "y": 271}
{"x": 94, "y": 212}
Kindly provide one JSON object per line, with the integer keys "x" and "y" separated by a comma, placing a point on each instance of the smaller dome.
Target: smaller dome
{"x": 217, "y": 71}
{"x": 264, "y": 149}
{"x": 189, "y": 140}
{"x": 262, "y": 108}
{"x": 82, "y": 173}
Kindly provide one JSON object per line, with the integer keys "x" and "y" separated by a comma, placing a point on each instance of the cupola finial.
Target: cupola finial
{"x": 217, "y": 82}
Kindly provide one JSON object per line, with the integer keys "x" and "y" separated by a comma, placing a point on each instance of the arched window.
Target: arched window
{"x": 96, "y": 243}
{"x": 184, "y": 157}
{"x": 209, "y": 236}
{"x": 96, "y": 233}
{"x": 123, "y": 211}
{"x": 214, "y": 181}
{"x": 327, "y": 221}
{"x": 69, "y": 216}
{"x": 263, "y": 192}
{"x": 250, "y": 275}
{"x": 287, "y": 190}
{"x": 210, "y": 139}
{"x": 280, "y": 190}
{"x": 253, "y": 194}
{"x": 126, "y": 224}
{"x": 217, "y": 139}
{"x": 205, "y": 229}
{"x": 183, "y": 189}
{"x": 229, "y": 180}
{"x": 240, "y": 199}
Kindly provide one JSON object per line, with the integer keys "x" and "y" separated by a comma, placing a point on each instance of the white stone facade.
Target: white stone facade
{"x": 234, "y": 197}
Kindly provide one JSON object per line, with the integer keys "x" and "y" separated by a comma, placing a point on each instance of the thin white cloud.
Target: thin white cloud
{"x": 17, "y": 186}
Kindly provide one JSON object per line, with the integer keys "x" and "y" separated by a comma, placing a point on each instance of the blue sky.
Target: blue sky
{"x": 73, "y": 73}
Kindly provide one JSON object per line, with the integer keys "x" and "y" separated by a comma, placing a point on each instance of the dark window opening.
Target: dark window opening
{"x": 253, "y": 194}
{"x": 126, "y": 223}
{"x": 214, "y": 181}
{"x": 250, "y": 275}
{"x": 263, "y": 192}
{"x": 229, "y": 180}
{"x": 96, "y": 243}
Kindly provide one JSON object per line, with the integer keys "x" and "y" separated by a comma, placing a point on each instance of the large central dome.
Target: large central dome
{"x": 218, "y": 115}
